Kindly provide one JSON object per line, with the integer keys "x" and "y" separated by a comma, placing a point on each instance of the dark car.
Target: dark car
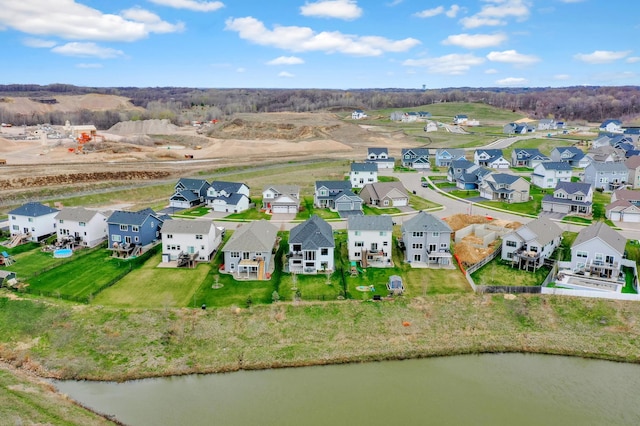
{"x": 425, "y": 184}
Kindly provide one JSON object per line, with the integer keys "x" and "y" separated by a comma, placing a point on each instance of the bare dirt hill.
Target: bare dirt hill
{"x": 66, "y": 103}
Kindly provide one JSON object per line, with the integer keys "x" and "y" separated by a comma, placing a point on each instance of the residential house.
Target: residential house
{"x": 281, "y": 199}
{"x": 527, "y": 157}
{"x": 531, "y": 244}
{"x": 385, "y": 194}
{"x": 129, "y": 232}
{"x": 81, "y": 227}
{"x": 32, "y": 222}
{"x": 504, "y": 187}
{"x": 337, "y": 196}
{"x": 570, "y": 154}
{"x": 547, "y": 124}
{"x": 189, "y": 193}
{"x": 491, "y": 158}
{"x": 466, "y": 174}
{"x": 606, "y": 176}
{"x": 311, "y": 247}
{"x": 410, "y": 117}
{"x": 569, "y": 198}
{"x": 633, "y": 165}
{"x": 444, "y": 156}
{"x": 632, "y": 133}
{"x": 248, "y": 253}
{"x": 380, "y": 156}
{"x": 611, "y": 126}
{"x": 358, "y": 114}
{"x": 624, "y": 206}
{"x": 228, "y": 197}
{"x": 431, "y": 126}
{"x": 424, "y": 115}
{"x": 362, "y": 174}
{"x": 548, "y": 174}
{"x": 189, "y": 241}
{"x": 597, "y": 252}
{"x": 427, "y": 240}
{"x": 516, "y": 128}
{"x": 460, "y": 119}
{"x": 416, "y": 158}
{"x": 369, "y": 240}
{"x": 607, "y": 154}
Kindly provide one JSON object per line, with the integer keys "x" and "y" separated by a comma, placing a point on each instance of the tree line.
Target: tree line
{"x": 183, "y": 104}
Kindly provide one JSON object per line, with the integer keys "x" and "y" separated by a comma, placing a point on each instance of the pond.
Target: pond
{"x": 492, "y": 389}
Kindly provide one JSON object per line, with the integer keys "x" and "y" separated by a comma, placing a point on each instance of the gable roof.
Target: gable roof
{"x": 453, "y": 152}
{"x": 255, "y": 236}
{"x": 187, "y": 226}
{"x": 556, "y": 165}
{"x": 229, "y": 187}
{"x": 626, "y": 194}
{"x": 609, "y": 166}
{"x": 312, "y": 234}
{"x": 377, "y": 151}
{"x": 633, "y": 162}
{"x": 541, "y": 230}
{"x": 33, "y": 209}
{"x": 605, "y": 233}
{"x": 573, "y": 187}
{"x": 334, "y": 185}
{"x": 283, "y": 189}
{"x": 576, "y": 153}
{"x": 420, "y": 152}
{"x": 492, "y": 153}
{"x": 379, "y": 190}
{"x": 364, "y": 167}
{"x": 192, "y": 184}
{"x": 504, "y": 178}
{"x": 76, "y": 214}
{"x": 121, "y": 217}
{"x": 186, "y": 195}
{"x": 370, "y": 223}
{"x": 425, "y": 222}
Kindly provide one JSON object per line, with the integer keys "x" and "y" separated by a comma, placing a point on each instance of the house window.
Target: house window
{"x": 135, "y": 229}
{"x": 124, "y": 227}
{"x": 61, "y": 221}
{"x": 533, "y": 249}
{"x": 385, "y": 203}
{"x": 198, "y": 236}
{"x": 356, "y": 254}
{"x": 324, "y": 251}
{"x": 136, "y": 239}
{"x": 417, "y": 257}
{"x": 511, "y": 244}
{"x": 357, "y": 233}
{"x": 234, "y": 254}
{"x": 13, "y": 218}
{"x": 82, "y": 224}
{"x": 582, "y": 254}
{"x": 598, "y": 257}
{"x": 116, "y": 238}
{"x": 418, "y": 234}
{"x": 386, "y": 243}
{"x": 383, "y": 233}
{"x": 169, "y": 236}
{"x": 245, "y": 255}
{"x": 435, "y": 234}
{"x": 443, "y": 245}
{"x": 510, "y": 255}
{"x": 15, "y": 227}
{"x": 359, "y": 244}
{"x": 416, "y": 246}
{"x": 30, "y": 219}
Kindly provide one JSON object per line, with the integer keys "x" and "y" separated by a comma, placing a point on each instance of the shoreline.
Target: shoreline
{"x": 104, "y": 344}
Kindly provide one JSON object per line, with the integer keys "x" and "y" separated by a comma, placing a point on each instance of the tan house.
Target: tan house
{"x": 504, "y": 187}
{"x": 633, "y": 164}
{"x": 385, "y": 194}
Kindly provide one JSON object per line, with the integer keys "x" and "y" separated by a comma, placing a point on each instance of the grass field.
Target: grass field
{"x": 153, "y": 287}
{"x": 499, "y": 272}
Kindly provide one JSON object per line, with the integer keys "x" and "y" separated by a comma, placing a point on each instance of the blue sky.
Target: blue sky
{"x": 341, "y": 44}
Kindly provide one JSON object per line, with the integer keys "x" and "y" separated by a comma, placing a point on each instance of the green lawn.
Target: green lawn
{"x": 307, "y": 210}
{"x": 388, "y": 179}
{"x": 533, "y": 207}
{"x": 499, "y": 272}
{"x": 81, "y": 277}
{"x": 194, "y": 212}
{"x": 32, "y": 261}
{"x": 249, "y": 214}
{"x": 464, "y": 193}
{"x": 153, "y": 287}
{"x": 419, "y": 203}
{"x": 377, "y": 211}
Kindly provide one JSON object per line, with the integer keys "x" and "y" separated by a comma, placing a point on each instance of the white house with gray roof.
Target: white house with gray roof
{"x": 427, "y": 240}
{"x": 504, "y": 187}
{"x": 189, "y": 193}
{"x": 311, "y": 247}
{"x": 228, "y": 197}
{"x": 527, "y": 157}
{"x": 189, "y": 241}
{"x": 81, "y": 227}
{"x": 528, "y": 246}
{"x": 570, "y": 154}
{"x": 548, "y": 174}
{"x": 369, "y": 240}
{"x": 362, "y": 174}
{"x": 606, "y": 176}
{"x": 445, "y": 156}
{"x": 380, "y": 157}
{"x": 281, "y": 198}
{"x": 248, "y": 253}
{"x": 33, "y": 221}
{"x": 491, "y": 158}
{"x": 569, "y": 198}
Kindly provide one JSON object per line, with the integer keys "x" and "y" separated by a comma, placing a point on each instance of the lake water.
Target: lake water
{"x": 499, "y": 389}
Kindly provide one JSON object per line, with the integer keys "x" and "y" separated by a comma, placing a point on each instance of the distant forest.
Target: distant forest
{"x": 182, "y": 104}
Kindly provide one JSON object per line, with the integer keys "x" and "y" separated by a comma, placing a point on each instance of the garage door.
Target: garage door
{"x": 293, "y": 209}
{"x": 630, "y": 217}
{"x": 280, "y": 209}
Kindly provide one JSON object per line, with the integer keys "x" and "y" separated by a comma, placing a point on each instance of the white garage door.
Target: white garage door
{"x": 630, "y": 217}
{"x": 614, "y": 216}
{"x": 280, "y": 209}
{"x": 293, "y": 209}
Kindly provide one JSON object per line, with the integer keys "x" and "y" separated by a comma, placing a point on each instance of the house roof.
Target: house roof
{"x": 186, "y": 195}
{"x": 379, "y": 190}
{"x": 621, "y": 205}
{"x": 541, "y": 230}
{"x": 492, "y": 153}
{"x": 548, "y": 198}
{"x": 334, "y": 185}
{"x": 233, "y": 199}
{"x": 283, "y": 189}
{"x": 602, "y": 231}
{"x": 364, "y": 167}
{"x": 76, "y": 214}
{"x": 454, "y": 152}
{"x": 632, "y": 162}
{"x": 626, "y": 194}
{"x": 187, "y": 226}
{"x": 312, "y": 234}
{"x": 193, "y": 184}
{"x": 504, "y": 178}
{"x": 370, "y": 223}
{"x": 556, "y": 165}
{"x": 420, "y": 152}
{"x": 121, "y": 217}
{"x": 573, "y": 187}
{"x": 605, "y": 123}
{"x": 576, "y": 153}
{"x": 230, "y": 187}
{"x": 609, "y": 166}
{"x": 255, "y": 236}
{"x": 425, "y": 222}
{"x": 33, "y": 209}
{"x": 377, "y": 151}
{"x": 528, "y": 153}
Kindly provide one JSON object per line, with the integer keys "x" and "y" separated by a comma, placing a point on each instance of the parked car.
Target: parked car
{"x": 425, "y": 184}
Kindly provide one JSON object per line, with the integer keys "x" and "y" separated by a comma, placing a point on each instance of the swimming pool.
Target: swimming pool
{"x": 62, "y": 253}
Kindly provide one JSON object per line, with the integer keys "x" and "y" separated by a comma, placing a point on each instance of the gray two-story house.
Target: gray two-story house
{"x": 569, "y": 198}
{"x": 528, "y": 246}
{"x": 445, "y": 156}
{"x": 311, "y": 247}
{"x": 598, "y": 251}
{"x": 248, "y": 253}
{"x": 427, "y": 240}
{"x": 527, "y": 157}
{"x": 606, "y": 176}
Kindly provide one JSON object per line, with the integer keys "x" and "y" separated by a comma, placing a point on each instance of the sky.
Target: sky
{"x": 324, "y": 44}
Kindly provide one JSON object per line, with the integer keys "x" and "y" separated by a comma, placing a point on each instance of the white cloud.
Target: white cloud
{"x": 633, "y": 59}
{"x": 512, "y": 81}
{"x": 286, "y": 60}
{"x": 496, "y": 12}
{"x": 512, "y": 57}
{"x": 151, "y": 20}
{"x": 87, "y": 50}
{"x": 454, "y": 64}
{"x": 285, "y": 74}
{"x": 240, "y": 70}
{"x": 475, "y": 41}
{"x": 70, "y": 20}
{"x": 38, "y": 43}
{"x": 195, "y": 5}
{"x": 601, "y": 56}
{"x": 341, "y": 9}
{"x": 428, "y": 13}
{"x": 304, "y": 39}
{"x": 89, "y": 66}
{"x": 453, "y": 11}
{"x": 394, "y": 3}
{"x": 491, "y": 71}
{"x": 561, "y": 77}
